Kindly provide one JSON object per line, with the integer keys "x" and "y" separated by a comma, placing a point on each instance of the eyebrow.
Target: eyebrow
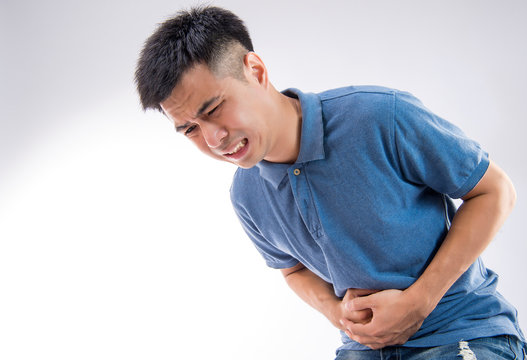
{"x": 201, "y": 109}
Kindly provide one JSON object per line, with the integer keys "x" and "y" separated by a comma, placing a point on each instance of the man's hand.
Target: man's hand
{"x": 396, "y": 315}
{"x": 341, "y": 312}
{"x": 321, "y": 296}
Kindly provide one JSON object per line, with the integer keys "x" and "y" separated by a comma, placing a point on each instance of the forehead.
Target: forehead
{"x": 197, "y": 86}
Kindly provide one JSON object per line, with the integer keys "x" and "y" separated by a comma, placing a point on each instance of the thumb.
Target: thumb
{"x": 360, "y": 303}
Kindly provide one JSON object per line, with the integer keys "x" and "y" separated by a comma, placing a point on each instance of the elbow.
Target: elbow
{"x": 512, "y": 195}
{"x": 507, "y": 194}
{"x": 494, "y": 195}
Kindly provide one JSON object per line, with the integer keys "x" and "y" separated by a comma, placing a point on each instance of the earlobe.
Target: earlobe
{"x": 255, "y": 68}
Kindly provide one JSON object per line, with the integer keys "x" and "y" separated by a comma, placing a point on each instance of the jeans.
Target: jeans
{"x": 490, "y": 348}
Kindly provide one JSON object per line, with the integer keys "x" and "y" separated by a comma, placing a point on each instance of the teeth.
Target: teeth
{"x": 238, "y": 147}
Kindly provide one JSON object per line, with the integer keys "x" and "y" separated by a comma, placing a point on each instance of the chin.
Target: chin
{"x": 245, "y": 166}
{"x": 246, "y": 163}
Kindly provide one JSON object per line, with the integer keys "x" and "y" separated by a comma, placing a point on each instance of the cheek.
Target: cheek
{"x": 236, "y": 116}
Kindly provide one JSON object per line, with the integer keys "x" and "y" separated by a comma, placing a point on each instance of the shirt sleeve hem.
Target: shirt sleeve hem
{"x": 281, "y": 265}
{"x": 473, "y": 180}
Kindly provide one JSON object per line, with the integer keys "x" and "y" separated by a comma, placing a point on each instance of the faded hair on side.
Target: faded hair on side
{"x": 202, "y": 35}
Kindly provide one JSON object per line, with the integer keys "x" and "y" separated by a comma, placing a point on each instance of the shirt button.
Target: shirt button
{"x": 296, "y": 172}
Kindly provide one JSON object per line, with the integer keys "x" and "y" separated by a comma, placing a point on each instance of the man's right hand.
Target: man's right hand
{"x": 340, "y": 312}
{"x": 321, "y": 296}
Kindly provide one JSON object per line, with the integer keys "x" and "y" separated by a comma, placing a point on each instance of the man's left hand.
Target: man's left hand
{"x": 397, "y": 315}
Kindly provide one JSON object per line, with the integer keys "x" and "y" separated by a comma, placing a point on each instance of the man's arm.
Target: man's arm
{"x": 320, "y": 295}
{"x": 397, "y": 315}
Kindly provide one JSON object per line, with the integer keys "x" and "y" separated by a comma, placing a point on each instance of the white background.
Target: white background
{"x": 117, "y": 240}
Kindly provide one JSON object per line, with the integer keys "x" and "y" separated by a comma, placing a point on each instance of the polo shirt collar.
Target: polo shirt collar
{"x": 311, "y": 140}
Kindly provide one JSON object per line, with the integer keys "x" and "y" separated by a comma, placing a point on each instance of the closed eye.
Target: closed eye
{"x": 190, "y": 129}
{"x": 213, "y": 110}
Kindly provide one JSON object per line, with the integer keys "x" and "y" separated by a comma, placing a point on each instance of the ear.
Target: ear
{"x": 255, "y": 69}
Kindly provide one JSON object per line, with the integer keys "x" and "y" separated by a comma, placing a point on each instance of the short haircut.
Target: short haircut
{"x": 202, "y": 35}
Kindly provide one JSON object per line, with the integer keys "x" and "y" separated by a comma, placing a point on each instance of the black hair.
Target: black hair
{"x": 199, "y": 35}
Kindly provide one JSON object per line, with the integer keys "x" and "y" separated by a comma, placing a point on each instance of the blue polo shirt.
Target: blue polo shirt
{"x": 369, "y": 201}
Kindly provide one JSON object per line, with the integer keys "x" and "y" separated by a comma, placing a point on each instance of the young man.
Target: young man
{"x": 348, "y": 192}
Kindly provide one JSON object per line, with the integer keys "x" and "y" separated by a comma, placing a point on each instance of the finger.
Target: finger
{"x": 361, "y": 316}
{"x": 377, "y": 340}
{"x": 356, "y": 338}
{"x": 363, "y": 330}
{"x": 351, "y": 330}
{"x": 360, "y": 303}
{"x": 366, "y": 341}
{"x": 373, "y": 342}
{"x": 345, "y": 323}
{"x": 379, "y": 344}
{"x": 371, "y": 346}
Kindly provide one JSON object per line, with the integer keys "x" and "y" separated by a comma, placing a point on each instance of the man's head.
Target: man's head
{"x": 211, "y": 36}
{"x": 200, "y": 71}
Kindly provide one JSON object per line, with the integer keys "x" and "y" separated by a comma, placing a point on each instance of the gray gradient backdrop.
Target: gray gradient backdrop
{"x": 117, "y": 240}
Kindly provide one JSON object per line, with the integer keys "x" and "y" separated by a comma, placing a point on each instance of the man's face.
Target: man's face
{"x": 224, "y": 117}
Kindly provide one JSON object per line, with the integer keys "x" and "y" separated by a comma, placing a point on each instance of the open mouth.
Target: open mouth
{"x": 239, "y": 150}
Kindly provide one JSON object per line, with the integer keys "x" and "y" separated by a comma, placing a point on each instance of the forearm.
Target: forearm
{"x": 315, "y": 292}
{"x": 474, "y": 226}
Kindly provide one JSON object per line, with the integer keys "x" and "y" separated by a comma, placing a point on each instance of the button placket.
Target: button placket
{"x": 305, "y": 202}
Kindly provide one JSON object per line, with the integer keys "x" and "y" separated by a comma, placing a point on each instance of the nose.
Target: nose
{"x": 213, "y": 134}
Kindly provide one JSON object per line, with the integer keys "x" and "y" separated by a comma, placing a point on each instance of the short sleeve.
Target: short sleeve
{"x": 274, "y": 257}
{"x": 434, "y": 152}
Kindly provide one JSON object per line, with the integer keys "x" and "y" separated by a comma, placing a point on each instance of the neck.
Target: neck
{"x": 289, "y": 125}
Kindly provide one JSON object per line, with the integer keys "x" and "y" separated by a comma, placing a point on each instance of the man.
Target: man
{"x": 348, "y": 192}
